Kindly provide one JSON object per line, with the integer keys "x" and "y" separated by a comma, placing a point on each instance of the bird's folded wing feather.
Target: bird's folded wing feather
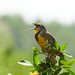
{"x": 50, "y": 39}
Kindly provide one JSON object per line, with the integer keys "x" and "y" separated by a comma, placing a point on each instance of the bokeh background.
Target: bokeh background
{"x": 16, "y": 41}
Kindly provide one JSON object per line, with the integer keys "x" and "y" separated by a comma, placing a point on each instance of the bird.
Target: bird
{"x": 46, "y": 41}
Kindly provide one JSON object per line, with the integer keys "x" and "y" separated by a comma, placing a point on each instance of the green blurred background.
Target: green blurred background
{"x": 16, "y": 42}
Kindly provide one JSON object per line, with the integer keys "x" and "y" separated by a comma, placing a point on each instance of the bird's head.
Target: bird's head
{"x": 39, "y": 27}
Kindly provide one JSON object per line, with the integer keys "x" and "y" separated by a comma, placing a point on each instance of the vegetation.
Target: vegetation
{"x": 16, "y": 42}
{"x": 46, "y": 66}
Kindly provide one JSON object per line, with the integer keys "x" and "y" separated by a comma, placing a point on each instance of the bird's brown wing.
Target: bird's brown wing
{"x": 50, "y": 38}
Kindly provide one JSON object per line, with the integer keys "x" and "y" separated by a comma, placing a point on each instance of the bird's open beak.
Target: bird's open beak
{"x": 34, "y": 24}
{"x": 33, "y": 28}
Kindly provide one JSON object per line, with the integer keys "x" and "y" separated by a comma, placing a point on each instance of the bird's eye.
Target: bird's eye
{"x": 37, "y": 26}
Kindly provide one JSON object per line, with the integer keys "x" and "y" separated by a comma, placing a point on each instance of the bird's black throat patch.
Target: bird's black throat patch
{"x": 36, "y": 36}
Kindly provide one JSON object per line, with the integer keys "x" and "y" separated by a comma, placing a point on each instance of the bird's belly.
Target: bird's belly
{"x": 43, "y": 43}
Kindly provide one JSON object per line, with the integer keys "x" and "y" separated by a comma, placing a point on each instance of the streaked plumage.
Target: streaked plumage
{"x": 45, "y": 39}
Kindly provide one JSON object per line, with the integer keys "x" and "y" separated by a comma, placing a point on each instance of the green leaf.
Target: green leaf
{"x": 50, "y": 73}
{"x": 71, "y": 72}
{"x": 35, "y": 57}
{"x": 67, "y": 54}
{"x": 42, "y": 50}
{"x": 36, "y": 49}
{"x": 67, "y": 66}
{"x": 63, "y": 47}
{"x": 62, "y": 60}
{"x": 70, "y": 62}
{"x": 56, "y": 45}
{"x": 65, "y": 73}
{"x": 35, "y": 60}
{"x": 57, "y": 71}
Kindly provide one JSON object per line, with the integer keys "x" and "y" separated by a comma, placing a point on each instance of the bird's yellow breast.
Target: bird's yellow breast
{"x": 41, "y": 41}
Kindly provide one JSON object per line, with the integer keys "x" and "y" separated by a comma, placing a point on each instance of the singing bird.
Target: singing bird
{"x": 45, "y": 40}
